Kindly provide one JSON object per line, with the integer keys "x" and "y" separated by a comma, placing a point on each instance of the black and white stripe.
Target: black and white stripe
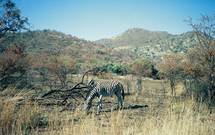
{"x": 105, "y": 88}
{"x": 91, "y": 82}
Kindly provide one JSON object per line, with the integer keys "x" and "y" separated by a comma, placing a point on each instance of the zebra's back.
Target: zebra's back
{"x": 107, "y": 88}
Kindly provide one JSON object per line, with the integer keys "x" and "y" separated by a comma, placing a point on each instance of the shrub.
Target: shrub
{"x": 142, "y": 67}
{"x": 116, "y": 68}
{"x": 79, "y": 60}
{"x": 106, "y": 58}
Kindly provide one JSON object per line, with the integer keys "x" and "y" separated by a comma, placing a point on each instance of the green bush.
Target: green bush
{"x": 116, "y": 68}
{"x": 79, "y": 60}
{"x": 145, "y": 65}
{"x": 106, "y": 58}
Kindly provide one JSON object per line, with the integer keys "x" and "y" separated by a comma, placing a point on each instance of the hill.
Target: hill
{"x": 150, "y": 44}
{"x": 56, "y": 43}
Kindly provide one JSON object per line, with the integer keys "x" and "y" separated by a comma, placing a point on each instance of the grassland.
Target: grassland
{"x": 150, "y": 111}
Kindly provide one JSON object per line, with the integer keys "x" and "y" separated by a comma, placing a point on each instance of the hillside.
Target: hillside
{"x": 150, "y": 44}
{"x": 56, "y": 43}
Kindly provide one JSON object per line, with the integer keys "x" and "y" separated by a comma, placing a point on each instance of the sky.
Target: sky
{"x": 98, "y": 19}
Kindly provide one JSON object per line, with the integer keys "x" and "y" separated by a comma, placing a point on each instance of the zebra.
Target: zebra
{"x": 91, "y": 82}
{"x": 105, "y": 88}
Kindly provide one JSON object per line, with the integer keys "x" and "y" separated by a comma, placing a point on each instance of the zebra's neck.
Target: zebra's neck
{"x": 92, "y": 94}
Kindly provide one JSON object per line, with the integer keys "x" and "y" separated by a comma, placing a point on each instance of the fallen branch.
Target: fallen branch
{"x": 60, "y": 90}
{"x": 75, "y": 87}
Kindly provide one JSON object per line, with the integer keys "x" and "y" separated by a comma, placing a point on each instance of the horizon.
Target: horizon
{"x": 94, "y": 20}
{"x": 107, "y": 38}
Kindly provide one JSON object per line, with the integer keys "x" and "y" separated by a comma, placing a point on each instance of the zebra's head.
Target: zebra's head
{"x": 91, "y": 82}
{"x": 90, "y": 86}
{"x": 87, "y": 105}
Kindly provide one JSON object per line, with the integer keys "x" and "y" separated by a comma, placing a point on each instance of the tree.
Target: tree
{"x": 116, "y": 68}
{"x": 171, "y": 68}
{"x": 202, "y": 57}
{"x": 11, "y": 20}
{"x": 119, "y": 69}
{"x": 141, "y": 67}
{"x": 59, "y": 67}
{"x": 73, "y": 90}
{"x": 13, "y": 60}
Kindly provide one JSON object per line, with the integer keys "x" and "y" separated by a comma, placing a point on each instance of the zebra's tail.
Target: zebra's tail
{"x": 123, "y": 94}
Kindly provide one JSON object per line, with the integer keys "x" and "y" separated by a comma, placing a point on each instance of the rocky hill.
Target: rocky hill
{"x": 150, "y": 44}
{"x": 53, "y": 42}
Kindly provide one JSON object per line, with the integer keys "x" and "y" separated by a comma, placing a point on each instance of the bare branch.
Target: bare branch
{"x": 67, "y": 90}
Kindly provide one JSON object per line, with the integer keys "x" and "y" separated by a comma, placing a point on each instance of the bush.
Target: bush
{"x": 79, "y": 60}
{"x": 106, "y": 58}
{"x": 116, "y": 68}
{"x": 143, "y": 67}
{"x": 14, "y": 60}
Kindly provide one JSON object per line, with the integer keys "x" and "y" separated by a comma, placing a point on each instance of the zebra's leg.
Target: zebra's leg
{"x": 100, "y": 101}
{"x": 99, "y": 104}
{"x": 119, "y": 100}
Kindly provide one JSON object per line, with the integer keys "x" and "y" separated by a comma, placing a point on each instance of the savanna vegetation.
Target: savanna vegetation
{"x": 150, "y": 44}
{"x": 43, "y": 77}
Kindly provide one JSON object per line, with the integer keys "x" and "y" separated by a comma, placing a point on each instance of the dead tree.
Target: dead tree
{"x": 76, "y": 89}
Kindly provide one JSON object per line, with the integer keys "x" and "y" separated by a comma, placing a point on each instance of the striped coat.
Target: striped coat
{"x": 105, "y": 88}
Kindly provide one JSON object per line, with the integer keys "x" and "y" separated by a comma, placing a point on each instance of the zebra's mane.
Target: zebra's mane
{"x": 89, "y": 92}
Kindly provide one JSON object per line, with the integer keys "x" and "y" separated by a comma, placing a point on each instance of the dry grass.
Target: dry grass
{"x": 143, "y": 113}
{"x": 18, "y": 118}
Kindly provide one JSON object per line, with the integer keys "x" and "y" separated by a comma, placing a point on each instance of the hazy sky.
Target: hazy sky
{"x": 96, "y": 19}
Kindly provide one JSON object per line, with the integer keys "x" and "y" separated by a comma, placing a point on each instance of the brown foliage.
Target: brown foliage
{"x": 14, "y": 60}
{"x": 170, "y": 68}
{"x": 201, "y": 60}
{"x": 142, "y": 67}
{"x": 59, "y": 67}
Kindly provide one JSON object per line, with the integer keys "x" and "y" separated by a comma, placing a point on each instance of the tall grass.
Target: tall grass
{"x": 185, "y": 117}
{"x": 16, "y": 118}
{"x": 26, "y": 119}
